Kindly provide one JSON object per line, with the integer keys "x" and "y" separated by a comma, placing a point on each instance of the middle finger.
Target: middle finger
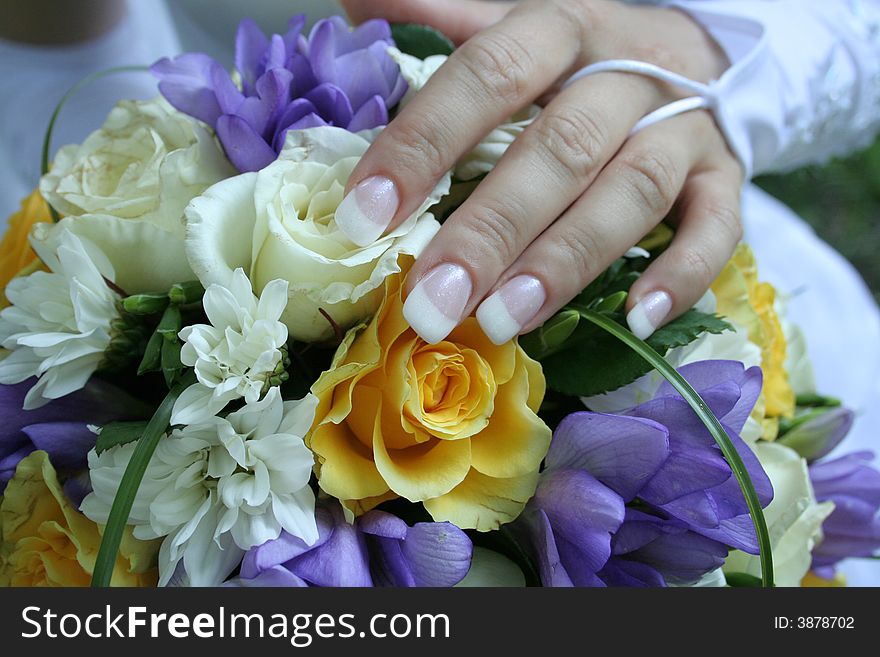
{"x": 542, "y": 173}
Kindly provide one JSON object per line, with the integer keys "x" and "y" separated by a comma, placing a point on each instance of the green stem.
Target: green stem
{"x": 131, "y": 481}
{"x": 707, "y": 417}
{"x": 47, "y": 140}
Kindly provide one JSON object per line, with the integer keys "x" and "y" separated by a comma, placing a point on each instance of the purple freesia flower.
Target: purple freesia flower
{"x": 380, "y": 549}
{"x": 853, "y": 528}
{"x": 59, "y": 428}
{"x": 646, "y": 497}
{"x": 336, "y": 76}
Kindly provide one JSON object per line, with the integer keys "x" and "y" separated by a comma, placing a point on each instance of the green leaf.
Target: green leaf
{"x": 742, "y": 580}
{"x": 593, "y": 362}
{"x": 119, "y": 433}
{"x": 420, "y": 40}
{"x": 707, "y": 417}
{"x": 131, "y": 481}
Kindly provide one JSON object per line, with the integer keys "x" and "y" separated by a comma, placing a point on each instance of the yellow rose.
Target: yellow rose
{"x": 45, "y": 541}
{"x": 452, "y": 425}
{"x": 812, "y": 581}
{"x": 15, "y": 252}
{"x": 746, "y": 301}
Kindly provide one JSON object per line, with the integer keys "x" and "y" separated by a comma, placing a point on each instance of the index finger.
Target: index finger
{"x": 488, "y": 79}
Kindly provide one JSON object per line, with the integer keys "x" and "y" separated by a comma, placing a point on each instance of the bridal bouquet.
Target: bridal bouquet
{"x": 205, "y": 382}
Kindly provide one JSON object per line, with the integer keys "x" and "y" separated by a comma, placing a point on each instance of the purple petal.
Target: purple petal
{"x": 229, "y": 98}
{"x": 187, "y": 83}
{"x": 67, "y": 443}
{"x": 276, "y": 54}
{"x": 331, "y": 104}
{"x": 294, "y": 30}
{"x": 371, "y": 114}
{"x": 365, "y": 34}
{"x": 705, "y": 374}
{"x": 550, "y": 566}
{"x": 818, "y": 436}
{"x": 275, "y": 577}
{"x": 621, "y": 452}
{"x": 247, "y": 150}
{"x": 383, "y": 525}
{"x": 583, "y": 514}
{"x": 360, "y": 74}
{"x": 303, "y": 76}
{"x": 77, "y": 487}
{"x": 630, "y": 574}
{"x": 250, "y": 45}
{"x": 340, "y": 560}
{"x": 261, "y": 112}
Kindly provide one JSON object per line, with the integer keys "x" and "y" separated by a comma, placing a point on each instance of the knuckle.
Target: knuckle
{"x": 573, "y": 140}
{"x": 493, "y": 231}
{"x": 581, "y": 251}
{"x": 697, "y": 266}
{"x": 661, "y": 55}
{"x": 652, "y": 175}
{"x": 583, "y": 17}
{"x": 499, "y": 64}
{"x": 419, "y": 149}
{"x": 728, "y": 219}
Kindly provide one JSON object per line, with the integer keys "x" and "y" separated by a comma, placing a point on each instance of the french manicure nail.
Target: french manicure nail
{"x": 436, "y": 304}
{"x": 503, "y": 314}
{"x": 366, "y": 212}
{"x": 648, "y": 314}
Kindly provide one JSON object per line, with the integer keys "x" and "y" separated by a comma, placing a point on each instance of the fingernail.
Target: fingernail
{"x": 648, "y": 314}
{"x": 512, "y": 306}
{"x": 436, "y": 304}
{"x": 366, "y": 212}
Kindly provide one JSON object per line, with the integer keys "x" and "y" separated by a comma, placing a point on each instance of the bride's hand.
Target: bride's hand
{"x": 574, "y": 192}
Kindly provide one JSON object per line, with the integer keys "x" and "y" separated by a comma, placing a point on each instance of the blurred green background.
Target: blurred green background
{"x": 841, "y": 200}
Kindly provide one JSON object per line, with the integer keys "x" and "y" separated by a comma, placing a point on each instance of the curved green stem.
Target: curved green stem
{"x": 131, "y": 481}
{"x": 711, "y": 422}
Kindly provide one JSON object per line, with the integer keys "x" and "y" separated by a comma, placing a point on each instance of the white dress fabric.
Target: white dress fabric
{"x": 804, "y": 86}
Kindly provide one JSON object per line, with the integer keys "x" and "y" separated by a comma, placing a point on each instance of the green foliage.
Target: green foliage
{"x": 420, "y": 40}
{"x": 119, "y": 433}
{"x": 592, "y": 361}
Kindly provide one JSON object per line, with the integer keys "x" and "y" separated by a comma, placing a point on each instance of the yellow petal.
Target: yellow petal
{"x": 483, "y": 503}
{"x": 425, "y": 470}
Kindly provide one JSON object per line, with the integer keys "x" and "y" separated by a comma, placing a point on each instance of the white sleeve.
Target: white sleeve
{"x": 804, "y": 81}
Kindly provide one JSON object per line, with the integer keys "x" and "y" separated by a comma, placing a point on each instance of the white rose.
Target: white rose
{"x": 126, "y": 186}
{"x": 489, "y": 151}
{"x": 279, "y": 223}
{"x": 794, "y": 518}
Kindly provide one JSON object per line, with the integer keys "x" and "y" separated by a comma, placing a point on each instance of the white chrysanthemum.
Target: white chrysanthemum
{"x": 217, "y": 489}
{"x": 58, "y": 325}
{"x": 235, "y": 356}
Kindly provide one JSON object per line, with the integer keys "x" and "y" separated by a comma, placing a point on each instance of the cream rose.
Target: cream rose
{"x": 279, "y": 223}
{"x": 126, "y": 186}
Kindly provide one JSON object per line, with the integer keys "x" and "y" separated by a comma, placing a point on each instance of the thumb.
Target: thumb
{"x": 457, "y": 19}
